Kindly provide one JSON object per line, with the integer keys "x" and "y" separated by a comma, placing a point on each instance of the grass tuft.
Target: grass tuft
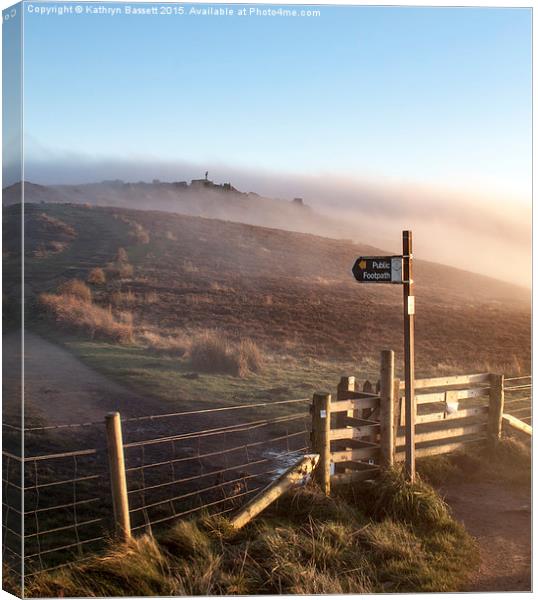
{"x": 391, "y": 496}
{"x": 77, "y": 289}
{"x": 77, "y": 315}
{"x": 210, "y": 352}
{"x": 97, "y": 276}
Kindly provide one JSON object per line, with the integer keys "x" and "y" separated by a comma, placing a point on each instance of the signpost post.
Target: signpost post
{"x": 399, "y": 270}
{"x": 409, "y": 354}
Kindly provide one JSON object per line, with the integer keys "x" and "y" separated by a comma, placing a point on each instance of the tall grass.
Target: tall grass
{"x": 77, "y": 289}
{"x": 392, "y": 497}
{"x": 123, "y": 270}
{"x": 54, "y": 225}
{"x": 75, "y": 314}
{"x": 509, "y": 460}
{"x": 303, "y": 544}
{"x": 175, "y": 343}
{"x": 212, "y": 352}
{"x": 97, "y": 276}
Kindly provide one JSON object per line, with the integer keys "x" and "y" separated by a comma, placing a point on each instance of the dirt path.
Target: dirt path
{"x": 59, "y": 389}
{"x": 499, "y": 516}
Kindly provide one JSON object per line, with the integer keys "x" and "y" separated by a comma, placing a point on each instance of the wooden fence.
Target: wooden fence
{"x": 363, "y": 431}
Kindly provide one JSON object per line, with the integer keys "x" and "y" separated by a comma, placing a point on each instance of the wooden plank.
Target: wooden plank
{"x": 346, "y": 405}
{"x": 356, "y": 465}
{"x": 436, "y": 382}
{"x": 355, "y": 476}
{"x": 354, "y": 422}
{"x": 443, "y": 416}
{"x": 516, "y": 424}
{"x": 355, "y": 454}
{"x": 296, "y": 474}
{"x": 357, "y": 395}
{"x": 353, "y": 433}
{"x": 430, "y": 397}
{"x": 480, "y": 392}
{"x": 441, "y": 434}
{"x": 441, "y": 448}
{"x": 347, "y": 444}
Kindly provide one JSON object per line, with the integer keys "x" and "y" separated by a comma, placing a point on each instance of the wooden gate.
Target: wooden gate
{"x": 363, "y": 430}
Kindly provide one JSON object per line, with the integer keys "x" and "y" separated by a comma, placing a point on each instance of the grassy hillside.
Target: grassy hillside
{"x": 168, "y": 279}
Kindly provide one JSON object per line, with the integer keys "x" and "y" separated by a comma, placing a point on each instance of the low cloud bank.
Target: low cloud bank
{"x": 488, "y": 235}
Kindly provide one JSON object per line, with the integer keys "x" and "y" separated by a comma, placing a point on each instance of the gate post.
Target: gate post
{"x": 321, "y": 439}
{"x": 496, "y": 408}
{"x": 386, "y": 412}
{"x": 118, "y": 480}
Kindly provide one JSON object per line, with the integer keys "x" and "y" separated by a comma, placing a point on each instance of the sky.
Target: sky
{"x": 391, "y": 97}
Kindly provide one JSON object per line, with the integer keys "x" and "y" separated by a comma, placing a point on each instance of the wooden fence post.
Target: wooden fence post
{"x": 496, "y": 407}
{"x": 118, "y": 480}
{"x": 397, "y": 407}
{"x": 346, "y": 384}
{"x": 386, "y": 412}
{"x": 321, "y": 439}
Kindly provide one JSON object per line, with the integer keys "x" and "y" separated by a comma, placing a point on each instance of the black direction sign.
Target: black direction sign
{"x": 378, "y": 269}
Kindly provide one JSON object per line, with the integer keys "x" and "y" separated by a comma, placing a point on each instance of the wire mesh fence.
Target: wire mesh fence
{"x": 58, "y": 505}
{"x": 518, "y": 397}
{"x": 217, "y": 468}
{"x": 59, "y": 513}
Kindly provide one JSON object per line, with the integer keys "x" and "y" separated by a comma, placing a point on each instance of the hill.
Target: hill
{"x": 199, "y": 198}
{"x": 292, "y": 293}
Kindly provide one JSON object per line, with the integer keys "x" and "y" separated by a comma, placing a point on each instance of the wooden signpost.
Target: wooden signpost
{"x": 399, "y": 270}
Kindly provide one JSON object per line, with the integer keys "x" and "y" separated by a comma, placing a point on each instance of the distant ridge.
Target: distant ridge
{"x": 200, "y": 197}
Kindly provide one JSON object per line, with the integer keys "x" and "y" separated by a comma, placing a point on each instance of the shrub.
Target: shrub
{"x": 121, "y": 255}
{"x": 125, "y": 298}
{"x": 125, "y": 270}
{"x": 97, "y": 276}
{"x": 211, "y": 352}
{"x": 151, "y": 298}
{"x": 55, "y": 225}
{"x": 74, "y": 314}
{"x": 189, "y": 267}
{"x": 77, "y": 289}
{"x": 141, "y": 235}
{"x": 120, "y": 269}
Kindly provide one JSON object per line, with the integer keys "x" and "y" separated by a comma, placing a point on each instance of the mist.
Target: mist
{"x": 468, "y": 230}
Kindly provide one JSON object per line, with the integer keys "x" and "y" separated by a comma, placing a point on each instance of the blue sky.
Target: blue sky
{"x": 428, "y": 95}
